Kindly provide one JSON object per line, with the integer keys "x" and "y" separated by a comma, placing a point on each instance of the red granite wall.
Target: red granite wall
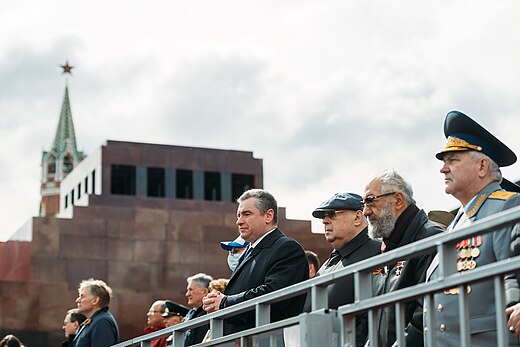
{"x": 143, "y": 248}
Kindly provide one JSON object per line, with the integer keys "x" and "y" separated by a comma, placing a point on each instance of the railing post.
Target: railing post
{"x": 319, "y": 297}
{"x": 317, "y": 329}
{"x": 399, "y": 324}
{"x": 263, "y": 314}
{"x": 447, "y": 266}
{"x": 465, "y": 338}
{"x": 178, "y": 338}
{"x": 429, "y": 329}
{"x": 372, "y": 329}
{"x": 500, "y": 305}
{"x": 216, "y": 327}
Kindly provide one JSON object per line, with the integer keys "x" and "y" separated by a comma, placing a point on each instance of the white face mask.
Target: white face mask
{"x": 232, "y": 260}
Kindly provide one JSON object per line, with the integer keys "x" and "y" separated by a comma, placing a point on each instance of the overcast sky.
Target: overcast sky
{"x": 325, "y": 92}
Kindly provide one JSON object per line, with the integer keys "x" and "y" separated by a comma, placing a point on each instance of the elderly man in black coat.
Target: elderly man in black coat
{"x": 347, "y": 232}
{"x": 393, "y": 216}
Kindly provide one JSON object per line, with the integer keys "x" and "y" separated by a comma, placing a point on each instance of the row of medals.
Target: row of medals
{"x": 466, "y": 258}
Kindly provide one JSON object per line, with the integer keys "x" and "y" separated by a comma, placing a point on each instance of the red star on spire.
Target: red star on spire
{"x": 67, "y": 68}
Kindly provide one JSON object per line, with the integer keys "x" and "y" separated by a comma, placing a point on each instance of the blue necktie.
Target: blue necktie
{"x": 247, "y": 253}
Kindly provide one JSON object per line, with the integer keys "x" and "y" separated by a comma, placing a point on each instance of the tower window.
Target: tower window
{"x": 122, "y": 180}
{"x": 51, "y": 165}
{"x": 241, "y": 183}
{"x": 212, "y": 186}
{"x": 155, "y": 182}
{"x": 68, "y": 164}
{"x": 184, "y": 184}
{"x": 93, "y": 181}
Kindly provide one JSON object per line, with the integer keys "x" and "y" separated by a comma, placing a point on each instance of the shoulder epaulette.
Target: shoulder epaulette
{"x": 502, "y": 195}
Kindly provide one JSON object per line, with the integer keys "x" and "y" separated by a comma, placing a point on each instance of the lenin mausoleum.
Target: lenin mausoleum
{"x": 142, "y": 217}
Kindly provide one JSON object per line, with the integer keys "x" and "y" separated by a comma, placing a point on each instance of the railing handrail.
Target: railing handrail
{"x": 424, "y": 246}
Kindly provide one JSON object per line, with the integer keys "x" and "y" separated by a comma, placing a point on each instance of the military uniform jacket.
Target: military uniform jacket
{"x": 495, "y": 246}
{"x": 402, "y": 274}
{"x": 341, "y": 292}
{"x": 100, "y": 330}
{"x": 276, "y": 262}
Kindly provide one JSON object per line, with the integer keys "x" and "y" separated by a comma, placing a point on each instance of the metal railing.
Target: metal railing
{"x": 323, "y": 327}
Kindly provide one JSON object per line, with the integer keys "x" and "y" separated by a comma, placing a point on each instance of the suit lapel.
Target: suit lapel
{"x": 267, "y": 242}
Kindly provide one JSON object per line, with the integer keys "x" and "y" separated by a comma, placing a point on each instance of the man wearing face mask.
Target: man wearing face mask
{"x": 235, "y": 248}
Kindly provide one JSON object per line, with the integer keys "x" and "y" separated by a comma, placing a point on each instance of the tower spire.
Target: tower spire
{"x": 62, "y": 157}
{"x": 65, "y": 138}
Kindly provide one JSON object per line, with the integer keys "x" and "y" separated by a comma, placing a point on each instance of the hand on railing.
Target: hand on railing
{"x": 211, "y": 302}
{"x": 513, "y": 323}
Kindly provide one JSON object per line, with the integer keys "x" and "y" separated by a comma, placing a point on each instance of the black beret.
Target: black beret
{"x": 464, "y": 134}
{"x": 340, "y": 201}
{"x": 174, "y": 309}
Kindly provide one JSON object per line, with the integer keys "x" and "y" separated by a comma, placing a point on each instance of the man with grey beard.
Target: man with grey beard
{"x": 394, "y": 217}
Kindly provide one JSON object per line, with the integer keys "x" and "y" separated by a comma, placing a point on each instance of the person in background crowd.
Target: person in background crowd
{"x": 441, "y": 218}
{"x": 393, "y": 216}
{"x": 173, "y": 314}
{"x": 346, "y": 230}
{"x": 314, "y": 263}
{"x": 100, "y": 328}
{"x": 472, "y": 158}
{"x": 155, "y": 321}
{"x": 71, "y": 323}
{"x": 196, "y": 290}
{"x": 10, "y": 341}
{"x": 272, "y": 261}
{"x": 218, "y": 285}
{"x": 235, "y": 249}
{"x": 215, "y": 286}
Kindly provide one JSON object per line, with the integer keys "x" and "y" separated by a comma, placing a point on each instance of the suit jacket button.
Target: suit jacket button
{"x": 442, "y": 327}
{"x": 424, "y": 311}
{"x": 425, "y": 330}
{"x": 440, "y": 308}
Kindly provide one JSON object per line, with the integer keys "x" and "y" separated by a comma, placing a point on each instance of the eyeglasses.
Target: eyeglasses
{"x": 332, "y": 214}
{"x": 371, "y": 199}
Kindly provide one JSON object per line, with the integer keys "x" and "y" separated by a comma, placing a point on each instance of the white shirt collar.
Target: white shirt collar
{"x": 254, "y": 244}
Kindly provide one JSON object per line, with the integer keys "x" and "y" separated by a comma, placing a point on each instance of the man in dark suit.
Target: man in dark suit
{"x": 100, "y": 328}
{"x": 197, "y": 288}
{"x": 346, "y": 229}
{"x": 272, "y": 261}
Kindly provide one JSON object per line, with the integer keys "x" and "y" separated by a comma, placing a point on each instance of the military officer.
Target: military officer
{"x": 472, "y": 159}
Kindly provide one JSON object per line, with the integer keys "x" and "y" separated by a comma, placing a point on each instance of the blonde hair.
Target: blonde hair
{"x": 219, "y": 285}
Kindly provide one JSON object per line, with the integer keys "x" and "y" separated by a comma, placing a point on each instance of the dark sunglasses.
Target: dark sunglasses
{"x": 332, "y": 214}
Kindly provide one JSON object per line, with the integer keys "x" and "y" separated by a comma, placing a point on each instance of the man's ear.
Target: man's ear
{"x": 358, "y": 218}
{"x": 76, "y": 325}
{"x": 400, "y": 202}
{"x": 95, "y": 301}
{"x": 269, "y": 216}
{"x": 483, "y": 168}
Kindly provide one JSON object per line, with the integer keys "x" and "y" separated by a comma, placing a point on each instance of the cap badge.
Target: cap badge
{"x": 460, "y": 143}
